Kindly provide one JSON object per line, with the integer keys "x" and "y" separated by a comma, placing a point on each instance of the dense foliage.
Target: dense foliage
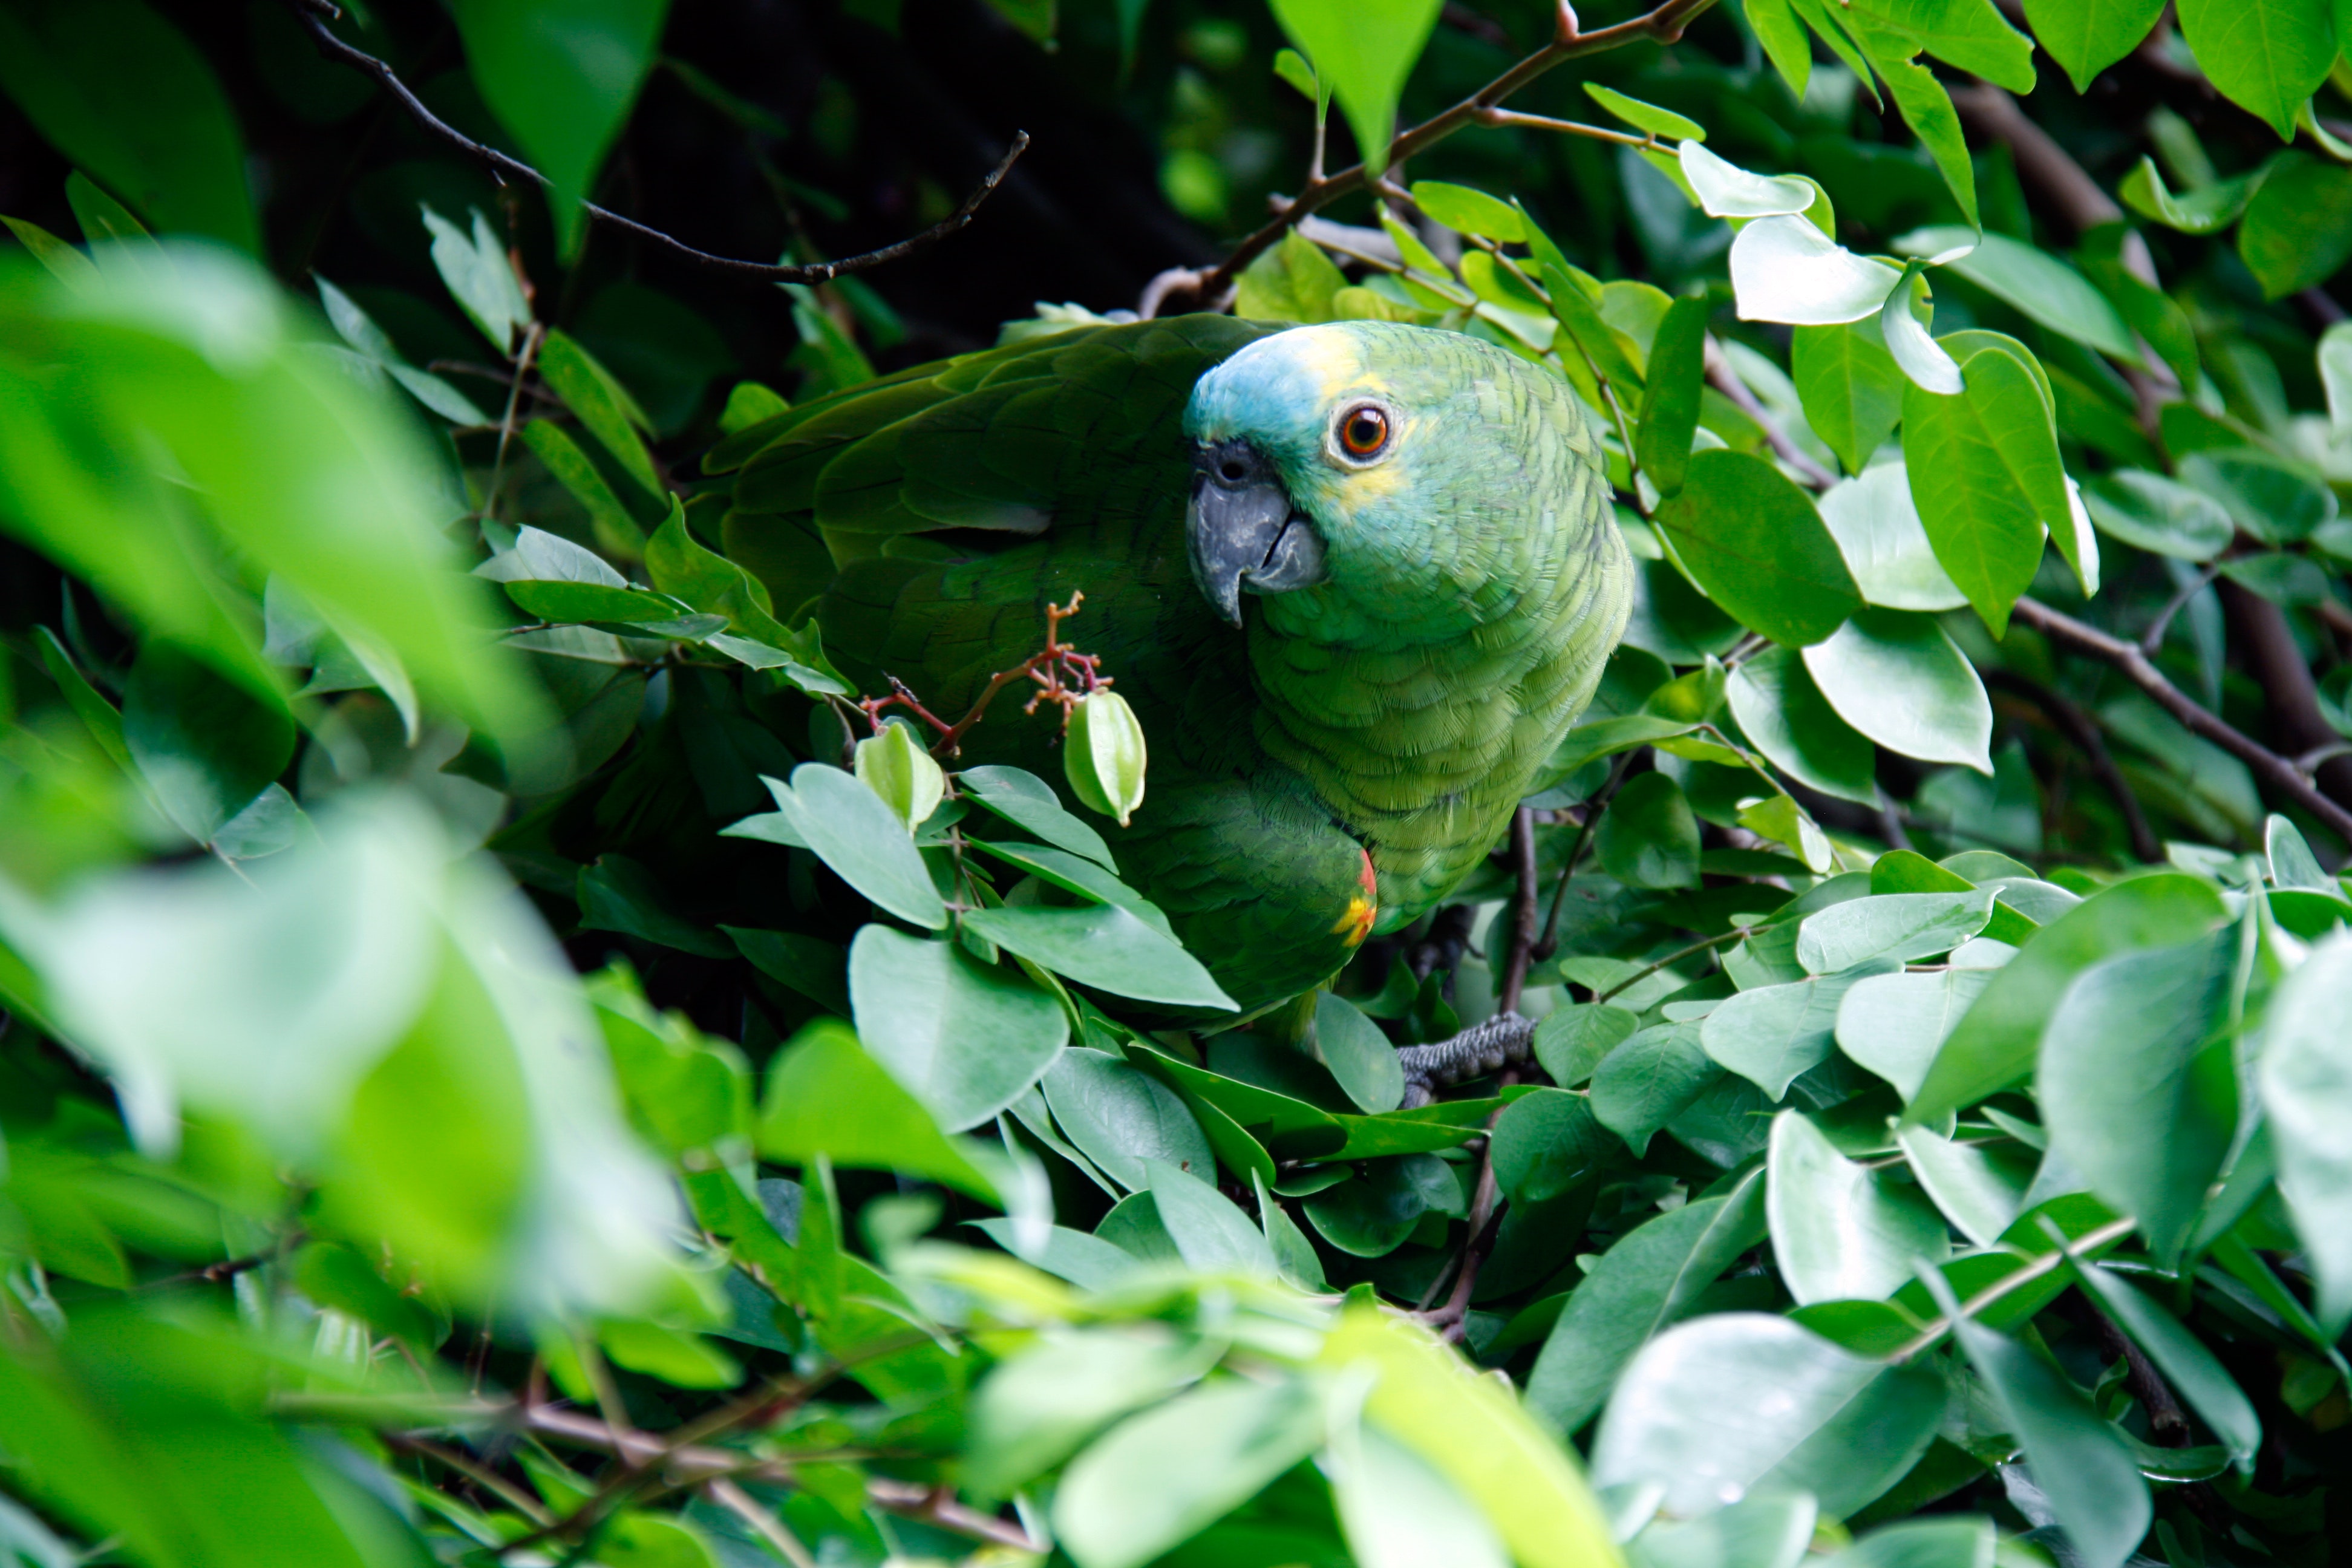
{"x": 508, "y": 1057}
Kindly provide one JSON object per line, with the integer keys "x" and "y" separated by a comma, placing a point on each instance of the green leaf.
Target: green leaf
{"x": 2138, "y": 1086}
{"x": 1103, "y": 946}
{"x": 1970, "y": 33}
{"x": 1842, "y": 1231}
{"x": 561, "y": 76}
{"x": 479, "y": 277}
{"x": 1359, "y": 1056}
{"x": 965, "y": 1038}
{"x": 2043, "y": 287}
{"x": 1995, "y": 1043}
{"x": 204, "y": 746}
{"x": 2079, "y": 1461}
{"x": 826, "y": 1097}
{"x": 1650, "y": 1080}
{"x": 617, "y": 532}
{"x": 2207, "y": 209}
{"x": 1724, "y": 189}
{"x": 1652, "y": 1278}
{"x": 1571, "y": 1040}
{"x": 1211, "y": 1235}
{"x": 1852, "y": 388}
{"x": 1364, "y": 53}
{"x": 1645, "y": 117}
{"x": 2268, "y": 56}
{"x": 1986, "y": 477}
{"x": 1472, "y": 1431}
{"x": 2278, "y": 503}
{"x": 1784, "y": 715}
{"x": 2158, "y": 514}
{"x": 1771, "y": 1034}
{"x": 1901, "y": 926}
{"x": 1897, "y": 678}
{"x": 1039, "y": 1407}
{"x": 1877, "y": 525}
{"x": 1928, "y": 108}
{"x": 1786, "y": 269}
{"x": 2195, "y": 1374}
{"x": 1400, "y": 1511}
{"x": 1468, "y": 211}
{"x": 1295, "y": 281}
{"x": 1785, "y": 44}
{"x": 2086, "y": 36}
{"x": 1814, "y": 1418}
{"x": 120, "y": 93}
{"x": 1372, "y": 1215}
{"x": 1981, "y": 1190}
{"x": 1755, "y": 542}
{"x": 2298, "y": 227}
{"x": 1670, "y": 397}
{"x": 1026, "y": 801}
{"x": 601, "y": 403}
{"x": 1078, "y": 876}
{"x": 1121, "y": 1118}
{"x": 2306, "y": 1090}
{"x": 355, "y": 327}
{"x": 1161, "y": 1477}
{"x": 590, "y": 601}
{"x": 1648, "y": 837}
{"x": 1755, "y": 1531}
{"x": 854, "y": 831}
{"x": 1545, "y": 1142}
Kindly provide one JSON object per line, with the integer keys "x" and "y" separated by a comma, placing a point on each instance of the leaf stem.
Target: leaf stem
{"x": 2114, "y": 1230}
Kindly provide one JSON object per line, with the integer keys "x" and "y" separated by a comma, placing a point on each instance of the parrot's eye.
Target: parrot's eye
{"x": 1364, "y": 431}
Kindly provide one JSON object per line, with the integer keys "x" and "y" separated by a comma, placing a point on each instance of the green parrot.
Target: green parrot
{"x": 1356, "y": 579}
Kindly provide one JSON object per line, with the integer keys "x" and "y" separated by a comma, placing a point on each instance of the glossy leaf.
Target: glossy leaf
{"x": 561, "y": 77}
{"x": 1899, "y": 926}
{"x": 1365, "y": 56}
{"x": 1755, "y": 542}
{"x": 2307, "y": 1090}
{"x": 1358, "y": 1054}
{"x": 1644, "y": 1083}
{"x": 1670, "y": 395}
{"x": 1122, "y": 1118}
{"x": 1840, "y": 1230}
{"x": 2086, "y": 36}
{"x": 1995, "y": 1043}
{"x": 1741, "y": 1403}
{"x": 1852, "y": 388}
{"x": 1772, "y": 1034}
{"x": 1784, "y": 715}
{"x": 1650, "y": 1280}
{"x": 2137, "y": 1085}
{"x": 1026, "y": 801}
{"x": 855, "y": 832}
{"x": 1648, "y": 837}
{"x": 2266, "y": 56}
{"x": 1105, "y": 946}
{"x": 1545, "y": 1142}
{"x": 965, "y": 1038}
{"x": 1571, "y": 1040}
{"x": 1878, "y": 531}
{"x": 1985, "y": 479}
{"x": 1785, "y": 269}
{"x": 1897, "y": 678}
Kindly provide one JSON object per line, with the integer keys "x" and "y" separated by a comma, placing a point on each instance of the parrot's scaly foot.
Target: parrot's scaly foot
{"x": 1503, "y": 1040}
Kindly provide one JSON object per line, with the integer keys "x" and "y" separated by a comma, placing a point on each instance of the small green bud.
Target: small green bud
{"x": 894, "y": 765}
{"x": 1104, "y": 755}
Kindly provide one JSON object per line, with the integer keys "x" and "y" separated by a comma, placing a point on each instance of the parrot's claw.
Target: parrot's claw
{"x": 1503, "y": 1040}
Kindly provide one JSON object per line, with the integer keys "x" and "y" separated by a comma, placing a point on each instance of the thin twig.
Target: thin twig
{"x": 2268, "y": 766}
{"x": 1512, "y": 117}
{"x": 2114, "y": 1230}
{"x": 530, "y": 341}
{"x": 334, "y": 48}
{"x": 481, "y": 1475}
{"x": 1523, "y": 911}
{"x": 2078, "y": 728}
{"x": 1674, "y": 957}
{"x": 1724, "y": 379}
{"x": 1662, "y": 25}
{"x": 2153, "y": 638}
{"x": 1549, "y": 943}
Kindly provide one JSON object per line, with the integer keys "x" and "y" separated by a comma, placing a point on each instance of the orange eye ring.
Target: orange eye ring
{"x": 1364, "y": 430}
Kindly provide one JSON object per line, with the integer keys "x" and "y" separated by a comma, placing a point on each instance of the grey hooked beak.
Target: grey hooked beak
{"x": 1240, "y": 529}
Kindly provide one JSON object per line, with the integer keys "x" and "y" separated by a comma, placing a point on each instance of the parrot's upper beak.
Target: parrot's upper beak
{"x": 1240, "y": 530}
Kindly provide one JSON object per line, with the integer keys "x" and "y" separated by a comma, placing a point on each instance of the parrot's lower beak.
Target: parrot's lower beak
{"x": 1240, "y": 530}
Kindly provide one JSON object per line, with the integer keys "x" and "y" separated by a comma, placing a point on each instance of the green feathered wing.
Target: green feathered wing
{"x": 930, "y": 517}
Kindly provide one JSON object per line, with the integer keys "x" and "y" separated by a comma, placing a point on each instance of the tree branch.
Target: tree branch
{"x": 313, "y": 14}
{"x": 1523, "y": 911}
{"x": 1662, "y": 25}
{"x": 2280, "y": 774}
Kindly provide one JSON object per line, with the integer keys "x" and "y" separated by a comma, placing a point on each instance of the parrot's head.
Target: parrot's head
{"x": 1385, "y": 464}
